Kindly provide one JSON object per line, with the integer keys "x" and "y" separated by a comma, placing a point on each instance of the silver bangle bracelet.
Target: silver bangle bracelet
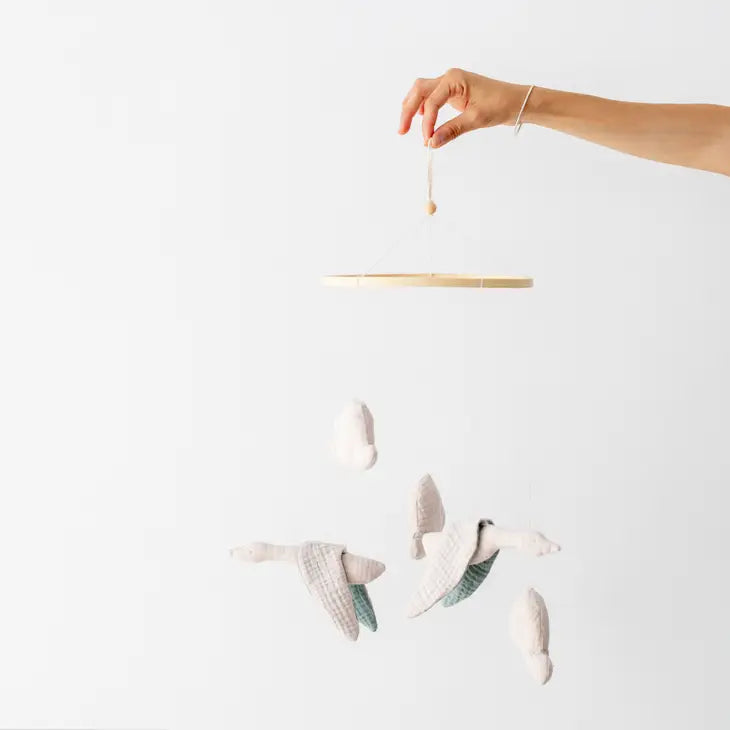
{"x": 518, "y": 121}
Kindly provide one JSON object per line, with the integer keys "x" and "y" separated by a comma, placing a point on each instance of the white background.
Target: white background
{"x": 174, "y": 177}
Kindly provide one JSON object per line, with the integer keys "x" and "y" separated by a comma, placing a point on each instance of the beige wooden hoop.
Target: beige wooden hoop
{"x": 445, "y": 280}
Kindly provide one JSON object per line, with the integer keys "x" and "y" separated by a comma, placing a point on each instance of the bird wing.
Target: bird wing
{"x": 427, "y": 514}
{"x": 447, "y": 566}
{"x": 363, "y": 606}
{"x": 320, "y": 565}
{"x": 471, "y": 580}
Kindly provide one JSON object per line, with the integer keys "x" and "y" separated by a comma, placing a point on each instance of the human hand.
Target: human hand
{"x": 483, "y": 102}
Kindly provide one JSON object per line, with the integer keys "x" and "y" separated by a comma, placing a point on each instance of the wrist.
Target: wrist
{"x": 512, "y": 103}
{"x": 538, "y": 106}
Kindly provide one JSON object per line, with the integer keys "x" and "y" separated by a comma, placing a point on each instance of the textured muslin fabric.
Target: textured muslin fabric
{"x": 446, "y": 567}
{"x": 363, "y": 607}
{"x": 320, "y": 565}
{"x": 471, "y": 580}
{"x": 427, "y": 514}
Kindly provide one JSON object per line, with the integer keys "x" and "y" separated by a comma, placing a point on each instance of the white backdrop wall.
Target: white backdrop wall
{"x": 174, "y": 178}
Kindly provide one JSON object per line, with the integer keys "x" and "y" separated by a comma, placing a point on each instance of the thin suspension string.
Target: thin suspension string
{"x": 530, "y": 456}
{"x": 530, "y": 505}
{"x": 390, "y": 249}
{"x": 428, "y": 232}
{"x": 430, "y": 208}
{"x": 429, "y": 172}
{"x": 448, "y": 229}
{"x": 429, "y": 202}
{"x": 429, "y": 179}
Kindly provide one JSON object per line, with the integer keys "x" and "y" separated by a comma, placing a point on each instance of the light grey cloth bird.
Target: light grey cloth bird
{"x": 333, "y": 576}
{"x": 459, "y": 556}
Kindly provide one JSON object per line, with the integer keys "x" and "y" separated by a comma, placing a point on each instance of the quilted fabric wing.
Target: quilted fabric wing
{"x": 470, "y": 581}
{"x": 447, "y": 566}
{"x": 427, "y": 514}
{"x": 363, "y": 607}
{"x": 320, "y": 565}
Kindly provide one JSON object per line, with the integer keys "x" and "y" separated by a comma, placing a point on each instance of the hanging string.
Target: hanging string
{"x": 517, "y": 128}
{"x": 429, "y": 170}
{"x": 448, "y": 229}
{"x": 390, "y": 250}
{"x": 429, "y": 246}
{"x": 430, "y": 209}
{"x": 430, "y": 205}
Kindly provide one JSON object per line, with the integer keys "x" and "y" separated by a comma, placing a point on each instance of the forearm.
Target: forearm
{"x": 691, "y": 135}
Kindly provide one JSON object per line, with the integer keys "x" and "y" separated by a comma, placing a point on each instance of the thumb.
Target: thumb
{"x": 452, "y": 129}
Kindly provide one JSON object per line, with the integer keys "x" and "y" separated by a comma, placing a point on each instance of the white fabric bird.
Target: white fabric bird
{"x": 529, "y": 627}
{"x": 460, "y": 556}
{"x": 353, "y": 443}
{"x": 334, "y": 576}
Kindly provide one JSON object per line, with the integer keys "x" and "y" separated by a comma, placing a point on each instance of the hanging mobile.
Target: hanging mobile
{"x": 431, "y": 279}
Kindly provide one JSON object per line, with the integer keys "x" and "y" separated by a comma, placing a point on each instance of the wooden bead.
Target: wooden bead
{"x": 430, "y": 207}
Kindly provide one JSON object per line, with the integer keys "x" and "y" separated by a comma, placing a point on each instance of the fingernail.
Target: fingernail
{"x": 436, "y": 140}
